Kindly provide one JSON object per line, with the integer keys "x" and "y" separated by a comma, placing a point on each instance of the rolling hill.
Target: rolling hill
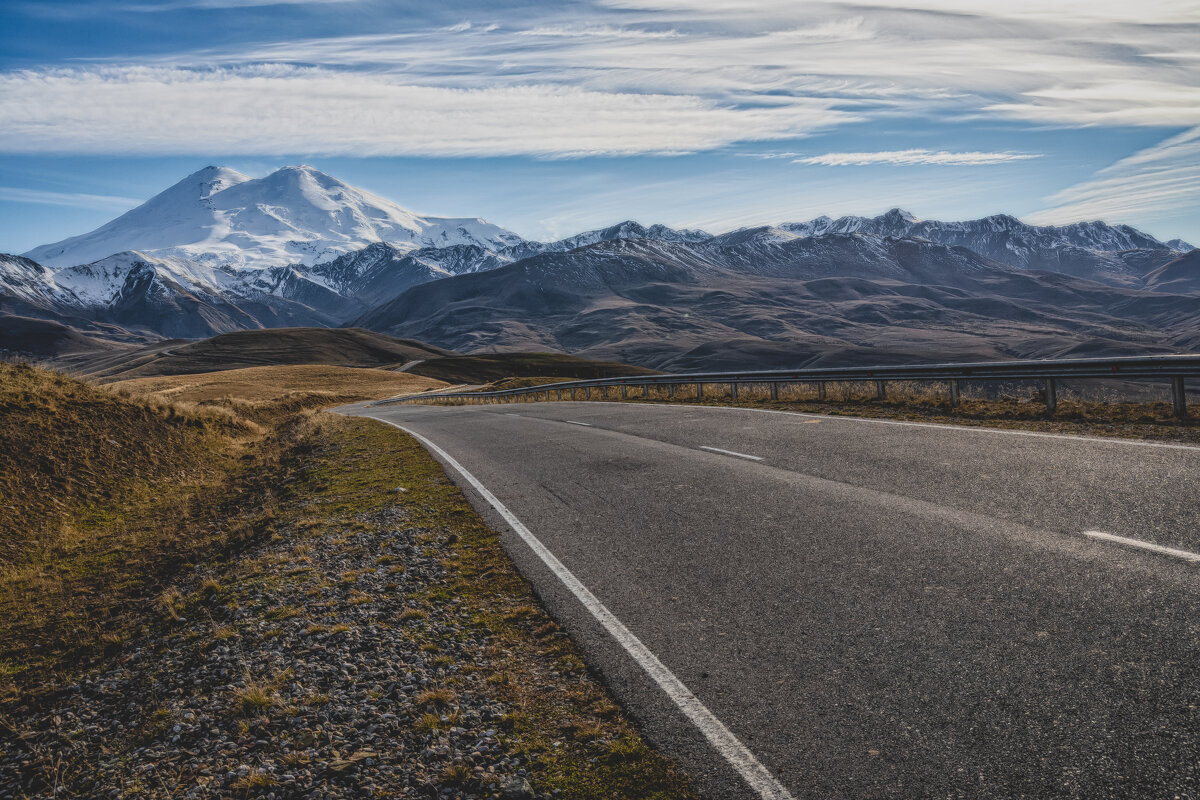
{"x": 258, "y": 348}
{"x": 763, "y": 300}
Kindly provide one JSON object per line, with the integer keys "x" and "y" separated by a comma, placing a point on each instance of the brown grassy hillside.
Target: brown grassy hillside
{"x": 95, "y": 488}
{"x": 308, "y": 386}
{"x": 182, "y": 591}
{"x": 347, "y": 347}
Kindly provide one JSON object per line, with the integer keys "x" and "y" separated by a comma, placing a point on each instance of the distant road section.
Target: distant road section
{"x": 871, "y": 609}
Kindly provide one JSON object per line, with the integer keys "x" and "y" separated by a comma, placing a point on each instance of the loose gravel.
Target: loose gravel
{"x": 313, "y": 674}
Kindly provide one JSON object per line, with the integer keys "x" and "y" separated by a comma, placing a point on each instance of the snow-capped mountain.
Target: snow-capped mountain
{"x": 381, "y": 271}
{"x": 986, "y": 231}
{"x": 295, "y": 215}
{"x": 220, "y": 251}
{"x": 29, "y": 282}
{"x": 622, "y": 230}
{"x": 174, "y": 297}
{"x": 1117, "y": 254}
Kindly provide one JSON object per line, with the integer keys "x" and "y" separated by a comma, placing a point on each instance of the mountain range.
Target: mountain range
{"x": 220, "y": 251}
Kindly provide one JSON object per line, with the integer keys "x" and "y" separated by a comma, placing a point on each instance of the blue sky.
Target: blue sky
{"x": 551, "y": 118}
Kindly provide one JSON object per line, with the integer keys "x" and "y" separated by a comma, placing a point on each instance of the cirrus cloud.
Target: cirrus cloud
{"x": 916, "y": 157}
{"x": 275, "y": 109}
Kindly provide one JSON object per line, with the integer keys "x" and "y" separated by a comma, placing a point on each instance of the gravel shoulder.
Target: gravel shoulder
{"x": 375, "y": 641}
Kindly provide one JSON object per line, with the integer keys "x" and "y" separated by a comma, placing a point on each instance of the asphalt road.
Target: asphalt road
{"x": 874, "y": 610}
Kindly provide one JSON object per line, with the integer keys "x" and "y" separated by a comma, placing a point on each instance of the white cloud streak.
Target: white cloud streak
{"x": 1021, "y": 61}
{"x": 656, "y": 76}
{"x": 1147, "y": 12}
{"x": 271, "y": 110}
{"x": 1153, "y": 182}
{"x": 917, "y": 157}
{"x": 102, "y": 202}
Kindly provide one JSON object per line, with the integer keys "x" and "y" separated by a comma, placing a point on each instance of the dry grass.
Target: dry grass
{"x": 318, "y": 385}
{"x": 456, "y": 775}
{"x": 436, "y": 698}
{"x": 564, "y": 720}
{"x": 68, "y": 447}
{"x": 483, "y": 367}
{"x": 104, "y": 499}
{"x": 135, "y": 534}
{"x": 253, "y": 699}
{"x": 1139, "y": 410}
{"x": 518, "y": 383}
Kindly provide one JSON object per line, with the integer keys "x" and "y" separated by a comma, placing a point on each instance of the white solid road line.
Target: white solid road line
{"x": 573, "y": 422}
{"x": 729, "y": 453}
{"x": 720, "y": 737}
{"x": 1141, "y": 545}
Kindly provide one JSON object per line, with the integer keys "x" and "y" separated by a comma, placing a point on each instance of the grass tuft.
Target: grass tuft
{"x": 253, "y": 698}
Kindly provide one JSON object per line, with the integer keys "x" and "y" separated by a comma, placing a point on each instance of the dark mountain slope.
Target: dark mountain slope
{"x": 1178, "y": 276}
{"x": 783, "y": 303}
{"x": 29, "y": 337}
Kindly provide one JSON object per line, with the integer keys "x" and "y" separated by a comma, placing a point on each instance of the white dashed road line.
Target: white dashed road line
{"x": 1141, "y": 545}
{"x": 573, "y": 422}
{"x": 729, "y": 453}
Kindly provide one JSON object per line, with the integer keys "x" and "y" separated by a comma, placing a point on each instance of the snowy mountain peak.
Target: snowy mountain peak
{"x": 898, "y": 215}
{"x": 296, "y": 214}
{"x": 211, "y": 180}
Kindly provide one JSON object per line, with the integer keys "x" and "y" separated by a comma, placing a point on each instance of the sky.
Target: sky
{"x": 550, "y": 118}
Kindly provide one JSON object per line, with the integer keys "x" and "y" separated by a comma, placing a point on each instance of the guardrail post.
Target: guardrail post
{"x": 954, "y": 394}
{"x": 559, "y": 393}
{"x": 624, "y": 391}
{"x": 880, "y": 390}
{"x": 732, "y": 390}
{"x": 671, "y": 391}
{"x": 587, "y": 393}
{"x": 1051, "y": 396}
{"x": 1179, "y": 397}
{"x": 645, "y": 390}
{"x": 699, "y": 391}
{"x": 821, "y": 391}
{"x": 572, "y": 392}
{"x": 774, "y": 392}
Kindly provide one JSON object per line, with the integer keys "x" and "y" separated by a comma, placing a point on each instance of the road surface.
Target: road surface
{"x": 870, "y": 609}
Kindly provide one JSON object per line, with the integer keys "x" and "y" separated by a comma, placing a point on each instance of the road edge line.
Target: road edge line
{"x": 720, "y": 737}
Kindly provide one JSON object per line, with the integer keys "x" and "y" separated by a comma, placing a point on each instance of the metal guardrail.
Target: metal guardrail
{"x": 1173, "y": 368}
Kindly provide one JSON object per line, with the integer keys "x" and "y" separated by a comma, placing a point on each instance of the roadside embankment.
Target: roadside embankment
{"x": 300, "y": 608}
